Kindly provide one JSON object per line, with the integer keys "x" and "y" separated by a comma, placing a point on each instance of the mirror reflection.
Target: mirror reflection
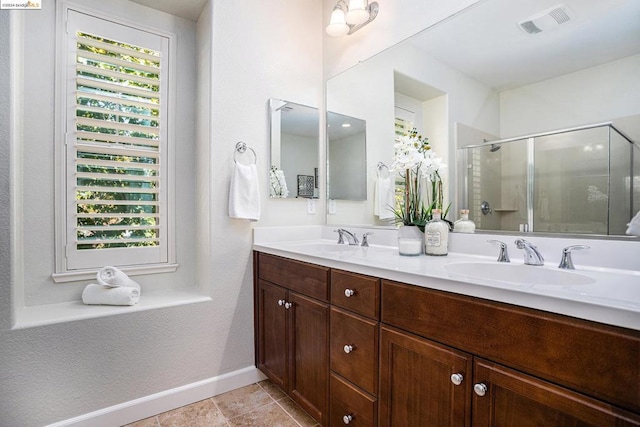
{"x": 294, "y": 150}
{"x": 346, "y": 154}
{"x": 497, "y": 71}
{"x": 574, "y": 181}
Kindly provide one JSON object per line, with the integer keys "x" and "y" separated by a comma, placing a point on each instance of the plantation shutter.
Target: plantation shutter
{"x": 116, "y": 142}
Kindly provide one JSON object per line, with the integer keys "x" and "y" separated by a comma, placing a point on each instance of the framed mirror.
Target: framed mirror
{"x": 295, "y": 130}
{"x": 497, "y": 71}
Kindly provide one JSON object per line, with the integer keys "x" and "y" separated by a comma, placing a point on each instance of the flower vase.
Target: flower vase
{"x": 410, "y": 240}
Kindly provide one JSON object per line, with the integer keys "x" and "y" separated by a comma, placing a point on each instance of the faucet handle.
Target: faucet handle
{"x": 340, "y": 236}
{"x": 566, "y": 262}
{"x": 504, "y": 254}
{"x": 365, "y": 241}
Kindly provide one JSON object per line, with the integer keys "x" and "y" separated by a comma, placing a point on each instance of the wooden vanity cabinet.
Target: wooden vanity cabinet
{"x": 516, "y": 399}
{"x": 292, "y": 330}
{"x": 423, "y": 357}
{"x": 355, "y": 307}
{"x": 415, "y": 382}
{"x": 530, "y": 368}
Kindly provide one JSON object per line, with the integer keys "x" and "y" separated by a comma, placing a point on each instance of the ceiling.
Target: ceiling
{"x": 486, "y": 43}
{"x": 187, "y": 9}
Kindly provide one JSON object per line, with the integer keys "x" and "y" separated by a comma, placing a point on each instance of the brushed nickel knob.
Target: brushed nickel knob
{"x": 456, "y": 379}
{"x": 281, "y": 302}
{"x": 480, "y": 389}
{"x": 288, "y": 305}
{"x": 348, "y": 348}
{"x": 347, "y": 419}
{"x": 349, "y": 292}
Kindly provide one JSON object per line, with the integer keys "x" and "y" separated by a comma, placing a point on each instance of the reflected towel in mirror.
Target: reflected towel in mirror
{"x": 384, "y": 199}
{"x": 634, "y": 226}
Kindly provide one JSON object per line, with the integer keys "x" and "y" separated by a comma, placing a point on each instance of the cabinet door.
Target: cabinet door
{"x": 309, "y": 374}
{"x": 416, "y": 387}
{"x": 272, "y": 333}
{"x": 510, "y": 398}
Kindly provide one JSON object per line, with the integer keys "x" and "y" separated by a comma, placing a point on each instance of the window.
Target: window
{"x": 116, "y": 176}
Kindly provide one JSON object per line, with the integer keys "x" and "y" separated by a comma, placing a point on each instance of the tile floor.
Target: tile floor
{"x": 261, "y": 405}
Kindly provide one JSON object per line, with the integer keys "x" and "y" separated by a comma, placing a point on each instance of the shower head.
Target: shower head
{"x": 494, "y": 148}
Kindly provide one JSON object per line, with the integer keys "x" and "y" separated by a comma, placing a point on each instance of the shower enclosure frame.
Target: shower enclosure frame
{"x": 464, "y": 166}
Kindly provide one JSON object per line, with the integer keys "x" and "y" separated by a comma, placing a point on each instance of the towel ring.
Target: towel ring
{"x": 241, "y": 147}
{"x": 381, "y": 166}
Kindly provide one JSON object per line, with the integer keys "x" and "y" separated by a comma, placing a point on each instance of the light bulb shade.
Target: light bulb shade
{"x": 337, "y": 25}
{"x": 357, "y": 13}
{"x": 337, "y": 30}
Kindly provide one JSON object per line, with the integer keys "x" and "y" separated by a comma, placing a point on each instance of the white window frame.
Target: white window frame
{"x": 133, "y": 260}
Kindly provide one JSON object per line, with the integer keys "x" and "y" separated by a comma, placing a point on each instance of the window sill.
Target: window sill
{"x": 75, "y": 276}
{"x": 49, "y": 314}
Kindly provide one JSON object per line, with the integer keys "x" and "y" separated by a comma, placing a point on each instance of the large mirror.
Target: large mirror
{"x": 500, "y": 70}
{"x": 295, "y": 132}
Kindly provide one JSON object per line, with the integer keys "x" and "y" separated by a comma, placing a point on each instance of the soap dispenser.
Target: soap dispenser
{"x": 436, "y": 235}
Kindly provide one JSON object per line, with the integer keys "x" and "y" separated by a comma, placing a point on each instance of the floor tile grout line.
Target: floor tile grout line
{"x": 290, "y": 415}
{"x": 226, "y": 419}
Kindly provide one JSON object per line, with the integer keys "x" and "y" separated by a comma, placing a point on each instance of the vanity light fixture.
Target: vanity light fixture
{"x": 348, "y": 18}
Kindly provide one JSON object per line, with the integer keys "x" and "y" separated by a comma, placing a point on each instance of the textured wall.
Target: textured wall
{"x": 56, "y": 372}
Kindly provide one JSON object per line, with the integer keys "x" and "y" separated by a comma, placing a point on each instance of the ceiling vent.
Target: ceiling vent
{"x": 546, "y": 20}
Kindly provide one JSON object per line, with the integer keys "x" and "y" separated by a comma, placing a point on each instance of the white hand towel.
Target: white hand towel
{"x": 634, "y": 226}
{"x": 244, "y": 193}
{"x": 113, "y": 277}
{"x": 384, "y": 199}
{"x": 95, "y": 294}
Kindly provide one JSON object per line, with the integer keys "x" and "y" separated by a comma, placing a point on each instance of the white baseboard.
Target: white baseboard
{"x": 144, "y": 407}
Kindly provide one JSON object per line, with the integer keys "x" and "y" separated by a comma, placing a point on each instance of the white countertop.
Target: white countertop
{"x": 613, "y": 297}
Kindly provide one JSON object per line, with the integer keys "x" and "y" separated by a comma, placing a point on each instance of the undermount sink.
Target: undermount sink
{"x": 519, "y": 274}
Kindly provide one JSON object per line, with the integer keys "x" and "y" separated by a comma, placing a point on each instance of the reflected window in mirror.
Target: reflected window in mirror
{"x": 295, "y": 136}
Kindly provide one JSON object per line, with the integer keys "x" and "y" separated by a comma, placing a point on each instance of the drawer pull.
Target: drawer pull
{"x": 456, "y": 379}
{"x": 347, "y": 419}
{"x": 281, "y": 302}
{"x": 480, "y": 389}
{"x": 288, "y": 305}
{"x": 348, "y": 348}
{"x": 349, "y": 293}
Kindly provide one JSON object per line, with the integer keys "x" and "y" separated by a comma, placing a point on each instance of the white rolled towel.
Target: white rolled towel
{"x": 113, "y": 277}
{"x": 634, "y": 225}
{"x": 95, "y": 294}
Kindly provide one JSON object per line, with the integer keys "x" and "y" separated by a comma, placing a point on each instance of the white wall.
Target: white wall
{"x": 55, "y": 372}
{"x": 396, "y": 21}
{"x": 562, "y": 102}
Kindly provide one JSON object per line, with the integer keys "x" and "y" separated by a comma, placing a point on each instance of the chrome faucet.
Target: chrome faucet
{"x": 566, "y": 262}
{"x": 503, "y": 256}
{"x": 365, "y": 240}
{"x": 531, "y": 254}
{"x": 351, "y": 238}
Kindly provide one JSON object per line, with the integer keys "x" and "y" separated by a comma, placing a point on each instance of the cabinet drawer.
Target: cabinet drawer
{"x": 595, "y": 359}
{"x": 348, "y": 401}
{"x": 365, "y": 298}
{"x": 307, "y": 279}
{"x": 358, "y": 364}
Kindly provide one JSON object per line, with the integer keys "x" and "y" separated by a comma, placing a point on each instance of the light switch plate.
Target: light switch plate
{"x": 311, "y": 206}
